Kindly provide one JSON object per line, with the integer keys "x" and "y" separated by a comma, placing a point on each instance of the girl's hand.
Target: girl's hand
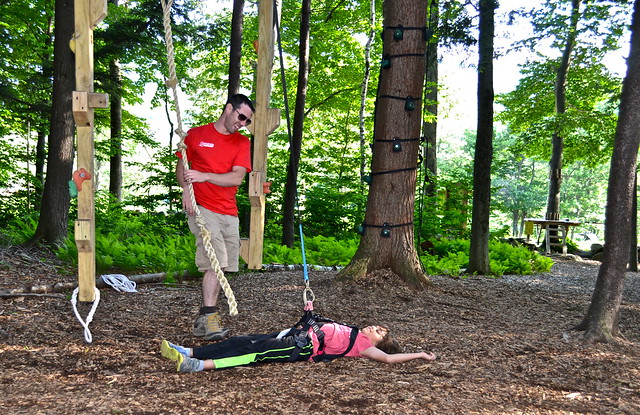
{"x": 428, "y": 356}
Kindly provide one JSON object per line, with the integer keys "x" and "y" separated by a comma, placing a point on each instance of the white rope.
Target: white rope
{"x": 120, "y": 283}
{"x": 172, "y": 82}
{"x": 85, "y": 324}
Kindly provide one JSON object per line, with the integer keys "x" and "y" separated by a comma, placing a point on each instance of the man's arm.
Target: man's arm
{"x": 230, "y": 179}
{"x": 180, "y": 173}
{"x": 186, "y": 199}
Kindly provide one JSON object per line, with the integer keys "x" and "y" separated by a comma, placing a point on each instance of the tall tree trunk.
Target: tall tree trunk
{"x": 290, "y": 194}
{"x": 601, "y": 320}
{"x": 115, "y": 108}
{"x": 388, "y": 238}
{"x": 430, "y": 126}
{"x": 364, "y": 88}
{"x": 633, "y": 245}
{"x": 41, "y": 157}
{"x": 235, "y": 51}
{"x": 555, "y": 164}
{"x": 479, "y": 247}
{"x": 54, "y": 210}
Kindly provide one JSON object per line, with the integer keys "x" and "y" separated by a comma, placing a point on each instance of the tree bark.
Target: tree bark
{"x": 601, "y": 321}
{"x": 295, "y": 147}
{"x": 115, "y": 108}
{"x": 54, "y": 210}
{"x": 633, "y": 245}
{"x": 479, "y": 247}
{"x": 388, "y": 237}
{"x": 235, "y": 50}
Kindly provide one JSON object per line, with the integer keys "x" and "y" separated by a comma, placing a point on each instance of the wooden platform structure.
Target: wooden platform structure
{"x": 556, "y": 231}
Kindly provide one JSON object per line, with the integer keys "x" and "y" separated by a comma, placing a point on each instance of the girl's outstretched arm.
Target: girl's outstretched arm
{"x": 378, "y": 355}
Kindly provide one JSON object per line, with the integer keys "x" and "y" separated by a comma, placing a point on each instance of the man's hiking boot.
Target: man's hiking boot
{"x": 210, "y": 327}
{"x": 198, "y": 326}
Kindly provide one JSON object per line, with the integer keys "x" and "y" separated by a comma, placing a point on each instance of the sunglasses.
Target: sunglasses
{"x": 242, "y": 117}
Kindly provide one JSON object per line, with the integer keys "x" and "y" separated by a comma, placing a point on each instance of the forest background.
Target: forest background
{"x": 136, "y": 188}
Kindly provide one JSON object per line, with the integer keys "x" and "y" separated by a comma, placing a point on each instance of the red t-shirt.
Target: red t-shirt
{"x": 210, "y": 151}
{"x": 336, "y": 340}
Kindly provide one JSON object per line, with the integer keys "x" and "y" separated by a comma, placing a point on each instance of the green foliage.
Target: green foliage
{"x": 329, "y": 251}
{"x": 508, "y": 259}
{"x": 319, "y": 250}
{"x": 447, "y": 213}
{"x": 128, "y": 241}
{"x": 587, "y": 126}
{"x": 450, "y": 257}
{"x": 131, "y": 241}
{"x": 18, "y": 229}
{"x": 572, "y": 246}
{"x": 450, "y": 263}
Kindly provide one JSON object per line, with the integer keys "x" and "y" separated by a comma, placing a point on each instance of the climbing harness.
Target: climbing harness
{"x": 85, "y": 323}
{"x": 172, "y": 82}
{"x": 312, "y": 321}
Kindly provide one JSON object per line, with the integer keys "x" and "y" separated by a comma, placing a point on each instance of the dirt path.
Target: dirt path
{"x": 502, "y": 346}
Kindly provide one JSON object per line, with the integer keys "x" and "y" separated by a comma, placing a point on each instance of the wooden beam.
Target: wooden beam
{"x": 266, "y": 121}
{"x": 88, "y": 14}
{"x": 83, "y": 101}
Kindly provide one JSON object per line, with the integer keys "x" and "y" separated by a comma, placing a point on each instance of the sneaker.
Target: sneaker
{"x": 213, "y": 329}
{"x": 189, "y": 364}
{"x": 172, "y": 351}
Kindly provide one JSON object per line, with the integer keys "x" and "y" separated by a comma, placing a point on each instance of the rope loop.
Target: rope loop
{"x": 85, "y": 323}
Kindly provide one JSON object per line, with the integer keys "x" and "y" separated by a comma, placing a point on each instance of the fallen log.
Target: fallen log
{"x": 69, "y": 286}
{"x": 142, "y": 279}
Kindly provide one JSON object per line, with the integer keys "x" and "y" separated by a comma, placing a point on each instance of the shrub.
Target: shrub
{"x": 452, "y": 256}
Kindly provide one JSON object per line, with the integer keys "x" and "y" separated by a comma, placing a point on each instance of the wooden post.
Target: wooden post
{"x": 88, "y": 14}
{"x": 266, "y": 121}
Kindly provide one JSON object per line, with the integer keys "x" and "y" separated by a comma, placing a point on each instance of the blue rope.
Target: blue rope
{"x": 304, "y": 257}
{"x": 286, "y": 105}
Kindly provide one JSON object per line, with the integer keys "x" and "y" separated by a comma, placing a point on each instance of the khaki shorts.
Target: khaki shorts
{"x": 225, "y": 239}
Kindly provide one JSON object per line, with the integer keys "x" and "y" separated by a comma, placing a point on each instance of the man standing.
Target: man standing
{"x": 220, "y": 157}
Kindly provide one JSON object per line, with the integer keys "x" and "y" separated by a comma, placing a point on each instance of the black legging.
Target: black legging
{"x": 257, "y": 348}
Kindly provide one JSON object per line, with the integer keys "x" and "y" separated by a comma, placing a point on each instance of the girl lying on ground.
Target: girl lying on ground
{"x": 373, "y": 342}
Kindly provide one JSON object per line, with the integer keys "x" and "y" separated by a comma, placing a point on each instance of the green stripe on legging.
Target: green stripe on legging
{"x": 247, "y": 359}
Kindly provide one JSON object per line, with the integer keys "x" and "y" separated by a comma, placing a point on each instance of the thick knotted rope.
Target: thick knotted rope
{"x": 172, "y": 83}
